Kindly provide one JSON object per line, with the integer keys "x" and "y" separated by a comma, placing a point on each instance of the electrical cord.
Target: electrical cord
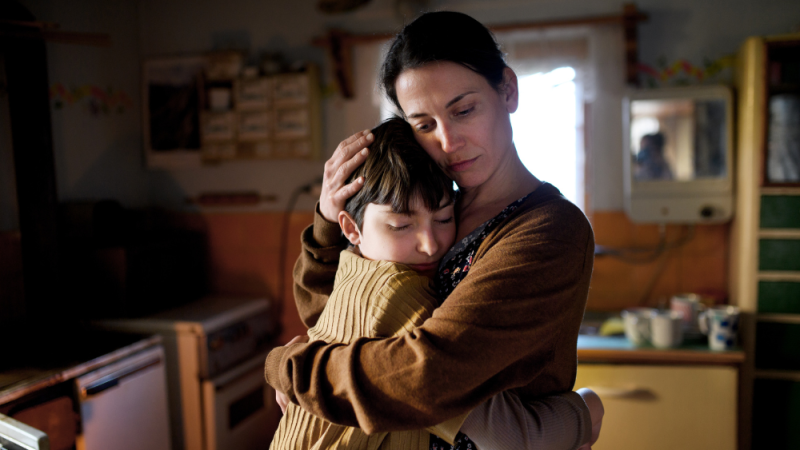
{"x": 287, "y": 214}
{"x": 647, "y": 255}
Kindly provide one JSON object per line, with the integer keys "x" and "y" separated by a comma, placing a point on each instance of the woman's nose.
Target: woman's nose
{"x": 427, "y": 242}
{"x": 449, "y": 138}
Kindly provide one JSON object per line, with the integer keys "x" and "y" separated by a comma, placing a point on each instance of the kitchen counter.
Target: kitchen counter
{"x": 617, "y": 349}
{"x": 47, "y": 359}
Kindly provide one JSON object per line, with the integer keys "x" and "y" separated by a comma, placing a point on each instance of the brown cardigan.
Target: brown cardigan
{"x": 512, "y": 323}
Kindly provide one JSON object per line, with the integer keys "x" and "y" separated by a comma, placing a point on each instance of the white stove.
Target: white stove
{"x": 215, "y": 351}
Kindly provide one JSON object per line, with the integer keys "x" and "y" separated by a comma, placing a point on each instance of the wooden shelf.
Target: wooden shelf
{"x": 779, "y": 276}
{"x": 780, "y": 191}
{"x": 779, "y": 233}
{"x": 790, "y": 375}
{"x": 779, "y": 318}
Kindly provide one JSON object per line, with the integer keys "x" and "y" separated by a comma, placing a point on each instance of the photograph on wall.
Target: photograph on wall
{"x": 173, "y": 96}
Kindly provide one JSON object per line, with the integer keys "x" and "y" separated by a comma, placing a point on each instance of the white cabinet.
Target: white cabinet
{"x": 124, "y": 405}
{"x": 664, "y": 407}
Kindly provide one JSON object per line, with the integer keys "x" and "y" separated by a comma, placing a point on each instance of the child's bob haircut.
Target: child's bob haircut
{"x": 396, "y": 171}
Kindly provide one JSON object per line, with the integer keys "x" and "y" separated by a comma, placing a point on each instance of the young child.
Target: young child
{"x": 401, "y": 223}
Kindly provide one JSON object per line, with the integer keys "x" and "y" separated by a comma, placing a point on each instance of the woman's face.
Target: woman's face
{"x": 460, "y": 120}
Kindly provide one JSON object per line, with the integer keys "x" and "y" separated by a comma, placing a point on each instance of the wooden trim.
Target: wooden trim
{"x": 793, "y": 319}
{"x": 49, "y": 32}
{"x": 779, "y": 276}
{"x": 789, "y": 375}
{"x": 29, "y": 24}
{"x": 339, "y": 43}
{"x": 630, "y": 15}
{"x": 779, "y": 233}
{"x": 780, "y": 190}
{"x": 653, "y": 356}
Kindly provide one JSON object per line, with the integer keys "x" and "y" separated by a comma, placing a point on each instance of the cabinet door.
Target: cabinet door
{"x": 664, "y": 407}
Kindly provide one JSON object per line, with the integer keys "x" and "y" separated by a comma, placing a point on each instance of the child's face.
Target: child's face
{"x": 418, "y": 240}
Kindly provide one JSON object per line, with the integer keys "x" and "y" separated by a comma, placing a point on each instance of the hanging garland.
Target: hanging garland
{"x": 98, "y": 100}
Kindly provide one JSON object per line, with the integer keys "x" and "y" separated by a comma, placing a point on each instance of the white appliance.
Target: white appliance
{"x": 15, "y": 435}
{"x": 124, "y": 405}
{"x": 215, "y": 350}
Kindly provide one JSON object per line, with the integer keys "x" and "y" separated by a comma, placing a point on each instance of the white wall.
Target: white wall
{"x": 97, "y": 155}
{"x": 100, "y": 156}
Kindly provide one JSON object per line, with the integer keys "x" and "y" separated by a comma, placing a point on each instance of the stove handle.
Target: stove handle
{"x": 113, "y": 379}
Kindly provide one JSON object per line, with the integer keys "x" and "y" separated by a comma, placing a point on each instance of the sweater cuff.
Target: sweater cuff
{"x": 326, "y": 234}
{"x": 272, "y": 367}
{"x": 586, "y": 417}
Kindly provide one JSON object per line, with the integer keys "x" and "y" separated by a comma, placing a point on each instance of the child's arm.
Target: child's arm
{"x": 548, "y": 423}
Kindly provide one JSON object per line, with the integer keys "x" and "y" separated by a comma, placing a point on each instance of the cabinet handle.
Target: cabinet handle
{"x": 627, "y": 392}
{"x": 113, "y": 379}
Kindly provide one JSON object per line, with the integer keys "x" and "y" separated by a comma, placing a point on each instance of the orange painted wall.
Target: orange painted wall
{"x": 244, "y": 258}
{"x": 244, "y": 255}
{"x": 700, "y": 265}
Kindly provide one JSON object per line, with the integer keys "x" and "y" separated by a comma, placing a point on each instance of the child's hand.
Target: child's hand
{"x": 596, "y": 410}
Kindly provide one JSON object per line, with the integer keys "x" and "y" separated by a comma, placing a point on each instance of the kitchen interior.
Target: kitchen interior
{"x": 159, "y": 160}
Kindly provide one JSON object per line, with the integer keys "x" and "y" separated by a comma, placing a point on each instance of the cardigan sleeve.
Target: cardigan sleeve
{"x": 554, "y": 422}
{"x": 315, "y": 269}
{"x": 512, "y": 323}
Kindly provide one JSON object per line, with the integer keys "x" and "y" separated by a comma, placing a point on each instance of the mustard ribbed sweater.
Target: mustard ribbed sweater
{"x": 392, "y": 300}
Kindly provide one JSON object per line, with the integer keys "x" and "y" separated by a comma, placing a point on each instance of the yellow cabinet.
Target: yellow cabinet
{"x": 664, "y": 407}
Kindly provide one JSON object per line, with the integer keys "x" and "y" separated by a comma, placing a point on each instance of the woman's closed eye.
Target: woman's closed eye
{"x": 397, "y": 227}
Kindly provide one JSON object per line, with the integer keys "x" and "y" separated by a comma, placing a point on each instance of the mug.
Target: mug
{"x": 637, "y": 324}
{"x": 721, "y": 324}
{"x": 690, "y": 307}
{"x": 666, "y": 329}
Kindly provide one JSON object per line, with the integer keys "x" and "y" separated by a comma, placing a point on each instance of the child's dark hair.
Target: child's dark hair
{"x": 396, "y": 171}
{"x": 443, "y": 36}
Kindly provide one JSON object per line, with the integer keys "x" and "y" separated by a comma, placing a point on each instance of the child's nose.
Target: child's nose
{"x": 427, "y": 243}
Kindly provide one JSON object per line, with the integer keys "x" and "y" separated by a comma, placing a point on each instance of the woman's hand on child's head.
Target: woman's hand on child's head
{"x": 351, "y": 153}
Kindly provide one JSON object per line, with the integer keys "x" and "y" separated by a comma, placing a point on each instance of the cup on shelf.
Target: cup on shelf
{"x": 636, "y": 322}
{"x": 721, "y": 324}
{"x": 666, "y": 329}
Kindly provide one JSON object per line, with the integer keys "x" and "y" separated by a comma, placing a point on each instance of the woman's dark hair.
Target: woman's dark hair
{"x": 443, "y": 36}
{"x": 396, "y": 171}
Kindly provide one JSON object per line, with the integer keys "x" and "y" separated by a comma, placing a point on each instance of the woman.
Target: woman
{"x": 515, "y": 284}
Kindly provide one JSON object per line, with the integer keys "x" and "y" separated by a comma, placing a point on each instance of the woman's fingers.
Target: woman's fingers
{"x": 350, "y": 154}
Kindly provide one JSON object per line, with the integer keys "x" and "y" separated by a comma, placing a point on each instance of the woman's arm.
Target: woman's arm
{"x": 513, "y": 320}
{"x": 557, "y": 422}
{"x": 315, "y": 269}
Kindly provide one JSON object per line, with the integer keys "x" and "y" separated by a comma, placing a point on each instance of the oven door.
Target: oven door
{"x": 240, "y": 408}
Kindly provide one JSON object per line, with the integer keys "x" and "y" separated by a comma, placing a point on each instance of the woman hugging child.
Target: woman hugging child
{"x": 401, "y": 224}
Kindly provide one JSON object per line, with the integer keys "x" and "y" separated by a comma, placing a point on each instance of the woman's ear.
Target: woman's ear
{"x": 349, "y": 228}
{"x": 510, "y": 90}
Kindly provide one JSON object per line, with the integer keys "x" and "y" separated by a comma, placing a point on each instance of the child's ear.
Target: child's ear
{"x": 349, "y": 228}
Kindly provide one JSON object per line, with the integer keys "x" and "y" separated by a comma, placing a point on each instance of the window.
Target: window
{"x": 546, "y": 129}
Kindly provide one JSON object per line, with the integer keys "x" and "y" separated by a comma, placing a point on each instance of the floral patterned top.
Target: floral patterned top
{"x": 454, "y": 267}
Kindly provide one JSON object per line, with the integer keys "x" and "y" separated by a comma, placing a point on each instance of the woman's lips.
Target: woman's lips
{"x": 462, "y": 165}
